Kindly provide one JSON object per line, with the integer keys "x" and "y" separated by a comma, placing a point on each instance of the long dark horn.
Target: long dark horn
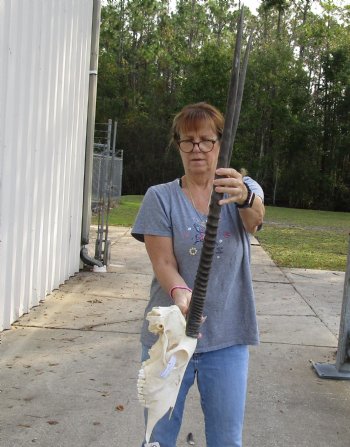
{"x": 235, "y": 94}
{"x": 231, "y": 106}
{"x": 241, "y": 82}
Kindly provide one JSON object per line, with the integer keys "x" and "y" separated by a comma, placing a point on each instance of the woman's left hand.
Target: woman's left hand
{"x": 231, "y": 183}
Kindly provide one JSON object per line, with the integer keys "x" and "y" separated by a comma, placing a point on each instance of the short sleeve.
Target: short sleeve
{"x": 255, "y": 187}
{"x": 153, "y": 217}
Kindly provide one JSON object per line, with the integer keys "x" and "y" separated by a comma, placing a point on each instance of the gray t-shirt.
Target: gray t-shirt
{"x": 229, "y": 305}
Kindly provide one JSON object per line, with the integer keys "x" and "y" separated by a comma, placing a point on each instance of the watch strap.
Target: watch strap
{"x": 248, "y": 203}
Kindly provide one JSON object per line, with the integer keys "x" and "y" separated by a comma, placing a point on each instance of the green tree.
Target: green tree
{"x": 294, "y": 128}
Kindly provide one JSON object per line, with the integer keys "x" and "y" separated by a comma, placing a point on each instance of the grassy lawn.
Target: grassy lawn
{"x": 306, "y": 238}
{"x": 124, "y": 213}
{"x": 292, "y": 237}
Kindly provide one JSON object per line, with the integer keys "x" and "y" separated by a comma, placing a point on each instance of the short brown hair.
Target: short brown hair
{"x": 192, "y": 115}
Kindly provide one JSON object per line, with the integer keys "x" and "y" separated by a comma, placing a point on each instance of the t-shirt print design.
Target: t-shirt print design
{"x": 198, "y": 238}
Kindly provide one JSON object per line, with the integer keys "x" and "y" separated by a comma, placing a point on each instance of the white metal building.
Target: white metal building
{"x": 44, "y": 91}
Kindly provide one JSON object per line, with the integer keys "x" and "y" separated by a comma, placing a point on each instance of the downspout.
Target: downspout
{"x": 90, "y": 128}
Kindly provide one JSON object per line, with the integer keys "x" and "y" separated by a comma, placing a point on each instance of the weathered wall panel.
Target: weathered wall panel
{"x": 44, "y": 75}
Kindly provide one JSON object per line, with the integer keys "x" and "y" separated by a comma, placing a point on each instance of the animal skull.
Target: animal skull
{"x": 161, "y": 375}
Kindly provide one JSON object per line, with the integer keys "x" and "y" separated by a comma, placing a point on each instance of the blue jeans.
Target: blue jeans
{"x": 222, "y": 384}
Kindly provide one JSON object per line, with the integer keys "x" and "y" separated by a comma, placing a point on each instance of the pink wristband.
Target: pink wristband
{"x": 178, "y": 287}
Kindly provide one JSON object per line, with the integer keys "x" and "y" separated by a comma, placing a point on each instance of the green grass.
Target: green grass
{"x": 124, "y": 213}
{"x": 306, "y": 238}
{"x": 292, "y": 237}
{"x": 308, "y": 218}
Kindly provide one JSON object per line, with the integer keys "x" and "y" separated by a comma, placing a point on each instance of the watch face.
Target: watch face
{"x": 249, "y": 200}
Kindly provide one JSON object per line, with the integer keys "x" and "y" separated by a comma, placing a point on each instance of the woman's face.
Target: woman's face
{"x": 197, "y": 163}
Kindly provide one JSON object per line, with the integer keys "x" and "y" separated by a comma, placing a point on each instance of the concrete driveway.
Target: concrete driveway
{"x": 68, "y": 369}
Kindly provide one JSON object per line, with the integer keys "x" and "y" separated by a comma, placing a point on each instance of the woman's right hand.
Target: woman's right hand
{"x": 182, "y": 299}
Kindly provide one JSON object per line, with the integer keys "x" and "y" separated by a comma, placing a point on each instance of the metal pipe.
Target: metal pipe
{"x": 88, "y": 260}
{"x": 341, "y": 369}
{"x": 89, "y": 148}
{"x": 110, "y": 178}
{"x": 343, "y": 352}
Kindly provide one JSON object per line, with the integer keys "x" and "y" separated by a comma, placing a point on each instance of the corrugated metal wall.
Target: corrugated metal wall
{"x": 44, "y": 76}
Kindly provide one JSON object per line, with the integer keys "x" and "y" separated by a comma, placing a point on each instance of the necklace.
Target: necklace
{"x": 194, "y": 206}
{"x": 200, "y": 229}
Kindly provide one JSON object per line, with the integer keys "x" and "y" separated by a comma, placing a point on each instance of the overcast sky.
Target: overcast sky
{"x": 252, "y": 4}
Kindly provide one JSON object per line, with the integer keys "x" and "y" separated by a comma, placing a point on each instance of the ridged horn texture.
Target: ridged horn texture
{"x": 234, "y": 100}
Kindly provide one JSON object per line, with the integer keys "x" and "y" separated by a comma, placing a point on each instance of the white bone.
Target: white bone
{"x": 161, "y": 375}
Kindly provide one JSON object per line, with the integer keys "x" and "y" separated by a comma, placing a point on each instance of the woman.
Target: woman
{"x": 172, "y": 222}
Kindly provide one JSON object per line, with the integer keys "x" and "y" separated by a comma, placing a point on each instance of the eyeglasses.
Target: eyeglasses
{"x": 203, "y": 145}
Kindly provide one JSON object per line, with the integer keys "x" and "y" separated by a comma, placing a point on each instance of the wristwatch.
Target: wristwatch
{"x": 248, "y": 203}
